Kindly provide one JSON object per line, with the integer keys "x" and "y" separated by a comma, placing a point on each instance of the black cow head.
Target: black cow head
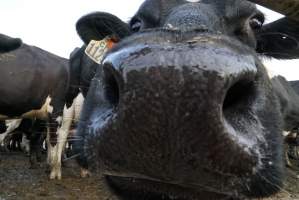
{"x": 182, "y": 107}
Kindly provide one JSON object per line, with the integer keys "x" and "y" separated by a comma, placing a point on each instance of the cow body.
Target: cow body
{"x": 182, "y": 107}
{"x": 20, "y": 73}
{"x": 34, "y": 84}
{"x": 288, "y": 98}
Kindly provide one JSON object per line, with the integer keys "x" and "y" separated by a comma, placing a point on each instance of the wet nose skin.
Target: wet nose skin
{"x": 181, "y": 100}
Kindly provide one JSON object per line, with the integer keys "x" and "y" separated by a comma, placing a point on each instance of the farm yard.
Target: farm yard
{"x": 18, "y": 182}
{"x": 178, "y": 102}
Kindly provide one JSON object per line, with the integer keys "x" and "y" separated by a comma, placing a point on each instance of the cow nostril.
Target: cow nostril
{"x": 111, "y": 86}
{"x": 241, "y": 94}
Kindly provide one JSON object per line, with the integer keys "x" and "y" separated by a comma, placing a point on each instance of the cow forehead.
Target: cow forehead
{"x": 224, "y": 6}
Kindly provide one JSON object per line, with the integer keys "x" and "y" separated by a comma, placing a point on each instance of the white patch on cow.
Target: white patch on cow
{"x": 41, "y": 113}
{"x": 270, "y": 72}
{"x": 11, "y": 126}
{"x": 49, "y": 107}
{"x": 78, "y": 104}
{"x": 59, "y": 119}
{"x": 84, "y": 173}
{"x": 25, "y": 144}
{"x": 285, "y": 133}
{"x": 55, "y": 153}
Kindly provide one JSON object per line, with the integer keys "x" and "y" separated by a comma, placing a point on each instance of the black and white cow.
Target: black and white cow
{"x": 10, "y": 126}
{"x": 35, "y": 84}
{"x": 182, "y": 107}
{"x": 287, "y": 94}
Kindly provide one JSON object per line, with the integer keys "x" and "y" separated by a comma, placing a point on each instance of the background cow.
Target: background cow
{"x": 10, "y": 126}
{"x": 35, "y": 84}
{"x": 182, "y": 107}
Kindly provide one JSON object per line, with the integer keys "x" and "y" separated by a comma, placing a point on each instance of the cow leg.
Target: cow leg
{"x": 19, "y": 141}
{"x": 25, "y": 144}
{"x": 42, "y": 129}
{"x": 2, "y": 141}
{"x": 2, "y": 126}
{"x": 7, "y": 143}
{"x": 287, "y": 158}
{"x": 11, "y": 126}
{"x": 2, "y": 133}
{"x": 56, "y": 148}
{"x": 296, "y": 153}
{"x": 36, "y": 142}
{"x": 15, "y": 141}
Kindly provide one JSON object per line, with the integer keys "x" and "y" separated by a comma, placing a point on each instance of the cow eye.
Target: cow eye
{"x": 136, "y": 25}
{"x": 257, "y": 21}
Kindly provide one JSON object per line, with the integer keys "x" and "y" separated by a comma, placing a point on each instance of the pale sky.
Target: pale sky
{"x": 50, "y": 24}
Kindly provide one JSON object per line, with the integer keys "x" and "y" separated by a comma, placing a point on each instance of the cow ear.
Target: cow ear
{"x": 98, "y": 25}
{"x": 279, "y": 39}
{"x": 9, "y": 44}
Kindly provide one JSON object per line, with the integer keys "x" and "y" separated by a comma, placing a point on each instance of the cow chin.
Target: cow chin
{"x": 171, "y": 124}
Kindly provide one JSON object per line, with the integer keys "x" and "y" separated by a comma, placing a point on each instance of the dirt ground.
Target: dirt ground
{"x": 18, "y": 182}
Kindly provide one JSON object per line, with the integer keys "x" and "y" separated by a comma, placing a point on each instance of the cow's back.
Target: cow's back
{"x": 28, "y": 76}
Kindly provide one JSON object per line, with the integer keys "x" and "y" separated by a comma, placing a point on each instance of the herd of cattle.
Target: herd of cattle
{"x": 179, "y": 107}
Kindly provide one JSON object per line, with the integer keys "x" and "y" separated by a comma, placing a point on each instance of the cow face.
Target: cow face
{"x": 182, "y": 107}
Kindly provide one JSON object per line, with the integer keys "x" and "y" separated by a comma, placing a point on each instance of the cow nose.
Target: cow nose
{"x": 236, "y": 90}
{"x": 200, "y": 95}
{"x": 112, "y": 83}
{"x": 241, "y": 91}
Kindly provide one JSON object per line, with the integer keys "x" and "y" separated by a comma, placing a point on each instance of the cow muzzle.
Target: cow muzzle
{"x": 184, "y": 111}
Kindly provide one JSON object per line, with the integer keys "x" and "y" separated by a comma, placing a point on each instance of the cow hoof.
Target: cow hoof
{"x": 55, "y": 175}
{"x": 84, "y": 173}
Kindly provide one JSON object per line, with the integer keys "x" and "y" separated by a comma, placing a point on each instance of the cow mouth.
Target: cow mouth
{"x": 143, "y": 189}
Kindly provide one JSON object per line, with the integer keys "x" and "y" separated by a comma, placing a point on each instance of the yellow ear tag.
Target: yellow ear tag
{"x": 97, "y": 49}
